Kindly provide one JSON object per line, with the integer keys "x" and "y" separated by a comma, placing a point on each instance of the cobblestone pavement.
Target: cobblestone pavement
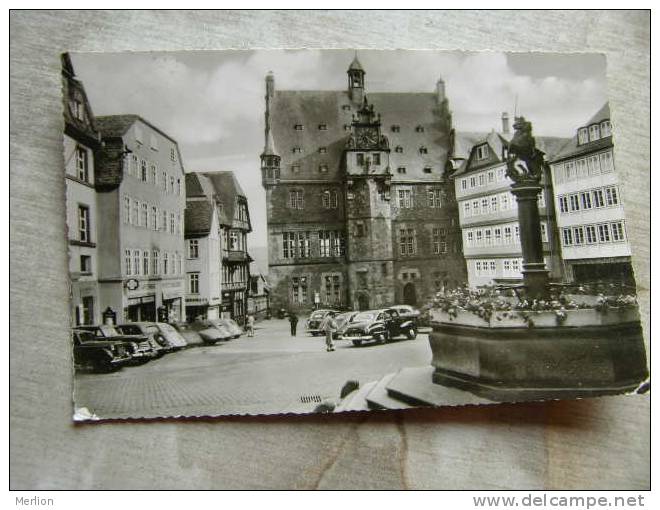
{"x": 269, "y": 373}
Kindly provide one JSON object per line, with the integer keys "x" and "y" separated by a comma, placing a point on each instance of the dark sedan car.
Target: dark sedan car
{"x": 143, "y": 351}
{"x": 99, "y": 355}
{"x": 380, "y": 326}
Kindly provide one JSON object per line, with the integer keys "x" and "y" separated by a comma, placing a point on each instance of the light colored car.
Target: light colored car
{"x": 189, "y": 334}
{"x": 315, "y": 321}
{"x": 171, "y": 336}
{"x": 230, "y": 325}
{"x": 343, "y": 320}
{"x": 221, "y": 327}
{"x": 209, "y": 333}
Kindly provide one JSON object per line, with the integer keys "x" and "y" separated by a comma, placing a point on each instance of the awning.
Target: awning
{"x": 169, "y": 294}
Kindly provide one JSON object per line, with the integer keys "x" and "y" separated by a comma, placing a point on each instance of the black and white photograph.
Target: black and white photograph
{"x": 323, "y": 231}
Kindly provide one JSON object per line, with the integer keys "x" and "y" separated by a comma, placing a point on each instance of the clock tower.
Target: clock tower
{"x": 368, "y": 218}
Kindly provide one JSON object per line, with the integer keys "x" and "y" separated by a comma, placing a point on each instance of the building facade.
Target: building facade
{"x": 141, "y": 198}
{"x": 223, "y": 189}
{"x": 360, "y": 211}
{"x": 488, "y": 211}
{"x": 81, "y": 142}
{"x": 591, "y": 219}
{"x": 203, "y": 250}
{"x": 258, "y": 295}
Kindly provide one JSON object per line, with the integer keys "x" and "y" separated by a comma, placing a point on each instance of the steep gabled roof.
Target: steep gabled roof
{"x": 198, "y": 217}
{"x": 227, "y": 189}
{"x": 571, "y": 147}
{"x": 114, "y": 126}
{"x": 422, "y": 122}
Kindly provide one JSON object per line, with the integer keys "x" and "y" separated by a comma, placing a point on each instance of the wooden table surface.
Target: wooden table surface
{"x": 600, "y": 443}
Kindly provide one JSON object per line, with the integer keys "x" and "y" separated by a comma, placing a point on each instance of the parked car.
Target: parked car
{"x": 230, "y": 325}
{"x": 209, "y": 333}
{"x": 189, "y": 334}
{"x": 315, "y": 321}
{"x": 407, "y": 311}
{"x": 175, "y": 340}
{"x": 379, "y": 325}
{"x": 141, "y": 353}
{"x": 224, "y": 330}
{"x": 343, "y": 321}
{"x": 99, "y": 355}
{"x": 148, "y": 329}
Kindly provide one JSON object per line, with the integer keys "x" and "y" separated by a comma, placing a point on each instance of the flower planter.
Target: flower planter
{"x": 534, "y": 355}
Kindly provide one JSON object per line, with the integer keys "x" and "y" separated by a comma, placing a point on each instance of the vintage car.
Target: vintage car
{"x": 315, "y": 321}
{"x": 149, "y": 330}
{"x": 208, "y": 332}
{"x": 175, "y": 340}
{"x": 224, "y": 330}
{"x": 229, "y": 325}
{"x": 188, "y": 333}
{"x": 379, "y": 325}
{"x": 143, "y": 350}
{"x": 98, "y": 354}
{"x": 407, "y": 311}
{"x": 343, "y": 321}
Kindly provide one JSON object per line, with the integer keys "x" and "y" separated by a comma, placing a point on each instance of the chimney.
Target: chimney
{"x": 440, "y": 90}
{"x": 505, "y": 123}
{"x": 270, "y": 84}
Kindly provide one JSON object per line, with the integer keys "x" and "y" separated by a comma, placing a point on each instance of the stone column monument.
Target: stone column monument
{"x": 525, "y": 167}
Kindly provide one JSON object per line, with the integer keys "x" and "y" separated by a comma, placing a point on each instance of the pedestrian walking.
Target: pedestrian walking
{"x": 293, "y": 321}
{"x": 329, "y": 326}
{"x": 250, "y": 325}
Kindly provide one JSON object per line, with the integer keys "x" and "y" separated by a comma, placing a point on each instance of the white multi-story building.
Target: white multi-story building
{"x": 141, "y": 200}
{"x": 203, "y": 249}
{"x": 590, "y": 214}
{"x": 488, "y": 211}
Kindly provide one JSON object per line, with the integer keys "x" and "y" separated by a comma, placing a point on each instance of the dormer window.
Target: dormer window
{"x": 427, "y": 169}
{"x": 323, "y": 127}
{"x": 396, "y": 128}
{"x": 323, "y": 150}
{"x": 138, "y": 134}
{"x": 298, "y": 127}
{"x": 401, "y": 170}
{"x": 173, "y": 154}
{"x": 583, "y": 136}
{"x": 482, "y": 152}
{"x": 77, "y": 109}
{"x": 605, "y": 129}
{"x": 153, "y": 142}
{"x": 398, "y": 149}
{"x": 594, "y": 132}
{"x": 423, "y": 150}
{"x": 419, "y": 129}
{"x": 297, "y": 150}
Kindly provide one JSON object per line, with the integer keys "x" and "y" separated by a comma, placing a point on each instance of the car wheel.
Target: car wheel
{"x": 411, "y": 334}
{"x": 357, "y": 343}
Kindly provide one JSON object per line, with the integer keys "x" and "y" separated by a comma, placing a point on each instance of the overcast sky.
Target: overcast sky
{"x": 212, "y": 102}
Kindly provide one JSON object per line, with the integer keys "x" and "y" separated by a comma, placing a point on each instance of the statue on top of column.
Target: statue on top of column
{"x": 525, "y": 163}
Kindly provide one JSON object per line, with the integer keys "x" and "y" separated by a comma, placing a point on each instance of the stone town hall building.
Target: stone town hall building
{"x": 361, "y": 213}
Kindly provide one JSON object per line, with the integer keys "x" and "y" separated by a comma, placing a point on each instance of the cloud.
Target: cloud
{"x": 213, "y": 102}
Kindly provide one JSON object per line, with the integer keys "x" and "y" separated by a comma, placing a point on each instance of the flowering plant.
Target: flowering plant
{"x": 484, "y": 301}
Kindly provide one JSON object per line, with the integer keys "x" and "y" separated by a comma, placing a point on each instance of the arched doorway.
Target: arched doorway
{"x": 409, "y": 294}
{"x": 363, "y": 301}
